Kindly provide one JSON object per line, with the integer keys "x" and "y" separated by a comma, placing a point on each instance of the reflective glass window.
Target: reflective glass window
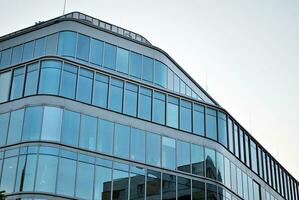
{"x": 153, "y": 149}
{"x": 15, "y": 126}
{"x": 170, "y": 80}
{"x": 20, "y": 167}
{"x": 182, "y": 87}
{"x": 186, "y": 116}
{"x": 197, "y": 160}
{"x": 122, "y": 63}
{"x": 105, "y": 136}
{"x": 273, "y": 172}
{"x": 198, "y": 120}
{"x": 102, "y": 187}
{"x": 50, "y": 77}
{"x": 32, "y": 123}
{"x": 28, "y": 173}
{"x": 145, "y": 103}
{"x": 236, "y": 140}
{"x": 184, "y": 188}
{"x": 88, "y": 131}
{"x": 137, "y": 183}
{"x": 4, "y": 120}
{"x": 210, "y": 163}
{"x": 220, "y": 167}
{"x": 147, "y": 69}
{"x": 256, "y": 191}
{"x": 84, "y": 183}
{"x": 265, "y": 167}
{"x": 121, "y": 140}
{"x": 130, "y": 103}
{"x": 40, "y": 47}
{"x": 9, "y": 174}
{"x": 69, "y": 81}
{"x": 66, "y": 177}
{"x": 5, "y": 86}
{"x": 51, "y": 46}
{"x": 16, "y": 54}
{"x": 233, "y": 177}
{"x": 46, "y": 173}
{"x": 227, "y": 172}
{"x": 241, "y": 144}
{"x": 96, "y": 51}
{"x": 100, "y": 95}
{"x": 239, "y": 182}
{"x": 211, "y": 131}
{"x": 230, "y": 135}
{"x": 17, "y": 83}
{"x": 198, "y": 190}
{"x": 5, "y": 58}
{"x": 159, "y": 108}
{"x": 172, "y": 112}
{"x": 176, "y": 83}
{"x": 137, "y": 145}
{"x": 168, "y": 153}
{"x": 168, "y": 186}
{"x": 116, "y": 95}
{"x": 31, "y": 79}
{"x": 246, "y": 141}
{"x": 85, "y": 85}
{"x": 245, "y": 186}
{"x": 51, "y": 124}
{"x": 253, "y": 156}
{"x": 183, "y": 156}
{"x": 135, "y": 64}
{"x": 83, "y": 47}
{"x": 67, "y": 43}
{"x": 211, "y": 192}
{"x": 153, "y": 185}
{"x": 28, "y": 51}
{"x": 222, "y": 133}
{"x": 250, "y": 189}
{"x": 109, "y": 56}
{"x": 188, "y": 91}
{"x": 120, "y": 184}
{"x": 260, "y": 162}
{"x": 70, "y": 128}
{"x": 160, "y": 74}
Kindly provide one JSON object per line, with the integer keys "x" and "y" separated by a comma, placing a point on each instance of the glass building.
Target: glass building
{"x": 90, "y": 110}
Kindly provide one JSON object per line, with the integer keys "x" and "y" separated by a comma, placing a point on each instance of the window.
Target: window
{"x": 245, "y": 185}
{"x": 198, "y": 190}
{"x": 220, "y": 167}
{"x": 5, "y": 58}
{"x": 197, "y": 160}
{"x": 183, "y": 156}
{"x": 51, "y": 46}
{"x": 15, "y": 126}
{"x": 137, "y": 183}
{"x": 67, "y": 43}
{"x": 236, "y": 140}
{"x": 170, "y": 80}
{"x": 120, "y": 181}
{"x": 28, "y": 51}
{"x": 102, "y": 183}
{"x": 234, "y": 177}
{"x": 66, "y": 177}
{"x": 186, "y": 116}
{"x": 88, "y": 131}
{"x": 17, "y": 83}
{"x": 168, "y": 186}
{"x": 153, "y": 149}
{"x": 84, "y": 184}
{"x": 247, "y": 149}
{"x": 256, "y": 191}
{"x": 137, "y": 145}
{"x": 230, "y": 135}
{"x": 160, "y": 74}
{"x": 172, "y": 112}
{"x": 85, "y": 85}
{"x": 31, "y": 79}
{"x": 121, "y": 140}
{"x": 211, "y": 124}
{"x": 168, "y": 153}
{"x": 28, "y": 173}
{"x": 130, "y": 106}
{"x": 250, "y": 188}
{"x": 69, "y": 81}
{"x": 227, "y": 172}
{"x": 159, "y": 108}
{"x": 50, "y": 77}
{"x": 5, "y": 86}
{"x": 182, "y": 87}
{"x": 83, "y": 47}
{"x": 176, "y": 83}
{"x": 222, "y": 133}
{"x": 51, "y": 124}
{"x": 9, "y": 174}
{"x": 210, "y": 163}
{"x": 135, "y": 64}
{"x": 184, "y": 188}
{"x": 265, "y": 167}
{"x": 148, "y": 66}
{"x": 100, "y": 95}
{"x": 32, "y": 123}
{"x": 105, "y": 136}
{"x": 253, "y": 156}
{"x": 70, "y": 128}
{"x": 153, "y": 185}
{"x": 122, "y": 63}
{"x": 198, "y": 120}
{"x": 96, "y": 52}
{"x": 116, "y": 95}
{"x": 40, "y": 47}
{"x": 110, "y": 56}
{"x": 260, "y": 162}
{"x": 242, "y": 154}
{"x": 145, "y": 103}
{"x": 17, "y": 54}
{"x": 211, "y": 192}
{"x": 4, "y": 120}
{"x": 240, "y": 182}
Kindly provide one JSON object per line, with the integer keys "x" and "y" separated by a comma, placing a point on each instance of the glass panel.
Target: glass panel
{"x": 116, "y": 95}
{"x": 17, "y": 54}
{"x": 184, "y": 188}
{"x": 245, "y": 186}
{"x": 67, "y": 43}
{"x": 160, "y": 74}
{"x": 198, "y": 120}
{"x": 105, "y": 136}
{"x": 168, "y": 187}
{"x": 236, "y": 140}
{"x": 15, "y": 126}
{"x": 153, "y": 149}
{"x": 40, "y": 47}
{"x": 121, "y": 140}
{"x": 210, "y": 163}
{"x": 211, "y": 192}
{"x": 120, "y": 185}
{"x": 51, "y": 124}
{"x": 70, "y": 128}
{"x": 5, "y": 85}
{"x": 102, "y": 187}
{"x": 32, "y": 123}
{"x": 137, "y": 183}
{"x": 147, "y": 69}
{"x": 197, "y": 160}
{"x": 220, "y": 168}
{"x": 122, "y": 63}
{"x": 46, "y": 174}
{"x": 28, "y": 173}
{"x": 256, "y": 191}
{"x": 83, "y": 47}
{"x": 88, "y": 131}
{"x": 176, "y": 83}
{"x": 182, "y": 87}
{"x": 183, "y": 156}
{"x": 230, "y": 135}
{"x": 227, "y": 172}
{"x": 198, "y": 190}
{"x": 84, "y": 184}
{"x": 51, "y": 46}
{"x": 5, "y": 58}
{"x": 130, "y": 106}
{"x": 96, "y": 51}
{"x": 137, "y": 145}
{"x": 66, "y": 177}
{"x": 4, "y": 120}
{"x": 234, "y": 177}
{"x": 145, "y": 103}
{"x": 170, "y": 80}
{"x": 186, "y": 117}
{"x": 239, "y": 182}
{"x": 69, "y": 81}
{"x": 159, "y": 108}
{"x": 211, "y": 124}
{"x": 153, "y": 185}
{"x": 250, "y": 189}
{"x": 222, "y": 133}
{"x": 50, "y": 77}
{"x": 172, "y": 112}
{"x": 28, "y": 51}
{"x": 9, "y": 174}
{"x": 100, "y": 94}
{"x": 31, "y": 79}
{"x": 17, "y": 83}
{"x": 253, "y": 156}
{"x": 168, "y": 153}
{"x": 135, "y": 64}
{"x": 246, "y": 141}
{"x": 110, "y": 56}
{"x": 85, "y": 85}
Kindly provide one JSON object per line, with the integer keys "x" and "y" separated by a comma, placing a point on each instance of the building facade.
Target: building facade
{"x": 89, "y": 110}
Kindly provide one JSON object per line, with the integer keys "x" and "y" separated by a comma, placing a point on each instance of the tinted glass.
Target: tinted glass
{"x": 236, "y": 140}
{"x": 110, "y": 56}
{"x": 116, "y": 95}
{"x": 105, "y": 136}
{"x": 160, "y": 74}
{"x": 137, "y": 183}
{"x": 159, "y": 108}
{"x": 40, "y": 47}
{"x": 256, "y": 191}
{"x": 50, "y": 77}
{"x": 130, "y": 104}
{"x": 8, "y": 174}
{"x": 31, "y": 79}
{"x": 234, "y": 177}
{"x": 197, "y": 160}
{"x": 168, "y": 186}
{"x": 198, "y": 190}
{"x": 170, "y": 80}
{"x": 84, "y": 184}
{"x": 182, "y": 87}
{"x": 210, "y": 163}
{"x": 241, "y": 143}
{"x": 83, "y": 47}
{"x": 245, "y": 185}
{"x": 153, "y": 185}
{"x": 227, "y": 172}
{"x": 96, "y": 51}
{"x": 28, "y": 51}
{"x": 220, "y": 167}
{"x": 211, "y": 192}
{"x": 17, "y": 54}
{"x": 168, "y": 153}
{"x": 222, "y": 133}
{"x": 137, "y": 145}
{"x": 184, "y": 188}
{"x": 198, "y": 120}
{"x": 183, "y": 156}
{"x": 66, "y": 177}
{"x": 85, "y": 86}
{"x": 28, "y": 173}
{"x": 5, "y": 85}
{"x": 17, "y": 83}
{"x": 51, "y": 124}
{"x": 211, "y": 124}
{"x": 69, "y": 81}
{"x": 67, "y": 43}
{"x": 102, "y": 183}
{"x": 4, "y": 120}
{"x": 120, "y": 185}
{"x": 122, "y": 64}
{"x": 147, "y": 69}
{"x": 32, "y": 123}
{"x": 176, "y": 83}
{"x": 88, "y": 131}
{"x": 51, "y": 46}
{"x": 100, "y": 95}
{"x": 172, "y": 112}
{"x": 186, "y": 117}
{"x": 145, "y": 103}
{"x": 253, "y": 156}
{"x": 70, "y": 128}
{"x": 153, "y": 149}
{"x": 121, "y": 141}
{"x": 15, "y": 126}
{"x": 230, "y": 135}
{"x": 5, "y": 58}
{"x": 239, "y": 182}
{"x": 247, "y": 150}
{"x": 135, "y": 64}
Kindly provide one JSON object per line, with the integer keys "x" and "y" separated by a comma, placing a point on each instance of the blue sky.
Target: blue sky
{"x": 246, "y": 53}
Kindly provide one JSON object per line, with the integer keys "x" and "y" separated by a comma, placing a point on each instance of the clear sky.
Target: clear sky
{"x": 245, "y": 52}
